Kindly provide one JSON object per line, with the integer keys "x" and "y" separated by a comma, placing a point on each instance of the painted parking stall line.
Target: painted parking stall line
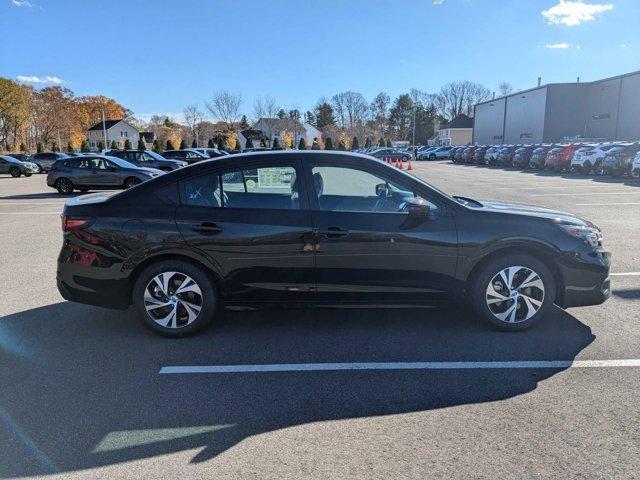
{"x": 625, "y": 274}
{"x": 328, "y": 367}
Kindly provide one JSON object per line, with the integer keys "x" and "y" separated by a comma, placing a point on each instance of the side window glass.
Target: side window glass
{"x": 345, "y": 189}
{"x": 203, "y": 191}
{"x": 272, "y": 187}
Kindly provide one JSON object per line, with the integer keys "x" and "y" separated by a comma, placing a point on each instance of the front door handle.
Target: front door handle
{"x": 333, "y": 232}
{"x": 206, "y": 227}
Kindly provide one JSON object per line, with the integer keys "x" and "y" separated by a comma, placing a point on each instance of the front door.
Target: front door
{"x": 252, "y": 221}
{"x": 369, "y": 248}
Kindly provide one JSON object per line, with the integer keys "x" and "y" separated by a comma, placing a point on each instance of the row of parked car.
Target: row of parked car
{"x": 616, "y": 158}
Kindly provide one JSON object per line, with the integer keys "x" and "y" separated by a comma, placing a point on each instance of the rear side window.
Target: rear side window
{"x": 269, "y": 187}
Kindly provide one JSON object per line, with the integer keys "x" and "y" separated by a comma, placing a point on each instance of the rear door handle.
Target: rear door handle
{"x": 333, "y": 232}
{"x": 206, "y": 227}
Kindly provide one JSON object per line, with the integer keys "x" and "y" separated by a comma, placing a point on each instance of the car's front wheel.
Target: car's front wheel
{"x": 131, "y": 182}
{"x": 64, "y": 186}
{"x": 513, "y": 292}
{"x": 175, "y": 298}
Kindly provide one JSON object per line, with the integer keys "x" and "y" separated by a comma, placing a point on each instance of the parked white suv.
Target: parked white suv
{"x": 590, "y": 160}
{"x": 635, "y": 168}
{"x": 438, "y": 153}
{"x": 578, "y": 159}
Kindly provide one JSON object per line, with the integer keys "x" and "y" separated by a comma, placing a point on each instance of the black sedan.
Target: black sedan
{"x": 320, "y": 228}
{"x": 97, "y": 172}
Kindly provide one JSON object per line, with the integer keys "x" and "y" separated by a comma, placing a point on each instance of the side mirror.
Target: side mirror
{"x": 382, "y": 190}
{"x": 417, "y": 207}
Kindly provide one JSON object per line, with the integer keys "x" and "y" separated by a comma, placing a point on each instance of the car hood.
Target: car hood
{"x": 149, "y": 170}
{"x": 533, "y": 211}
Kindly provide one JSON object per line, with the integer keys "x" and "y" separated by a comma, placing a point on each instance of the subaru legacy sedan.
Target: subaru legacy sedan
{"x": 320, "y": 228}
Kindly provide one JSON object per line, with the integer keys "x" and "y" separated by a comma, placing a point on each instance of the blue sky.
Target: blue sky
{"x": 159, "y": 56}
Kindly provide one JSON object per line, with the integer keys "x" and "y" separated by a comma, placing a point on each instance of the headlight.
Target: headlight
{"x": 591, "y": 235}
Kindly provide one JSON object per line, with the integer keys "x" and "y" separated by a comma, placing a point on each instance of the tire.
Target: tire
{"x": 432, "y": 157}
{"x": 27, "y": 174}
{"x": 64, "y": 186}
{"x": 163, "y": 319}
{"x": 533, "y": 302}
{"x": 131, "y": 182}
{"x": 15, "y": 172}
{"x": 39, "y": 168}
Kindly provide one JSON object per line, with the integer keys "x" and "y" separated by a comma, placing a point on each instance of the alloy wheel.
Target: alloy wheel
{"x": 173, "y": 300}
{"x": 132, "y": 182}
{"x": 65, "y": 186}
{"x": 515, "y": 294}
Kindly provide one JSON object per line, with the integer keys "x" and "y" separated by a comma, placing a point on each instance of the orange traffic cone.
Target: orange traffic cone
{"x": 410, "y": 167}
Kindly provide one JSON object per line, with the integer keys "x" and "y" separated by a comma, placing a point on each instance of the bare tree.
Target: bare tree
{"x": 504, "y": 88}
{"x": 380, "y": 111}
{"x": 459, "y": 97}
{"x": 193, "y": 117}
{"x": 225, "y": 106}
{"x": 265, "y": 106}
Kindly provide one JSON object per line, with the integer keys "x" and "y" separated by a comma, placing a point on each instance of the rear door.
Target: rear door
{"x": 369, "y": 249}
{"x": 252, "y": 220}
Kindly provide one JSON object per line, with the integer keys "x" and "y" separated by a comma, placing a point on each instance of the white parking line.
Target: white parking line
{"x": 29, "y": 213}
{"x": 625, "y": 274}
{"x": 605, "y": 204}
{"x": 583, "y": 194}
{"x": 323, "y": 367}
{"x": 6, "y": 204}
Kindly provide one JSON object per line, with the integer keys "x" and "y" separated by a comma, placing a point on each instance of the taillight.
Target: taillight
{"x": 75, "y": 223}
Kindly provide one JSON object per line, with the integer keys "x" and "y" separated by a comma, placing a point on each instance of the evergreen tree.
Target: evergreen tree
{"x": 263, "y": 143}
{"x": 237, "y": 147}
{"x": 84, "y": 146}
{"x": 127, "y": 144}
{"x": 244, "y": 124}
{"x": 54, "y": 147}
{"x": 324, "y": 115}
{"x": 170, "y": 145}
{"x": 249, "y": 143}
{"x": 100, "y": 146}
{"x": 194, "y": 144}
{"x": 302, "y": 144}
{"x": 23, "y": 147}
{"x": 381, "y": 142}
{"x": 315, "y": 145}
{"x": 183, "y": 144}
{"x": 367, "y": 142}
{"x": 281, "y": 113}
{"x": 39, "y": 148}
{"x": 341, "y": 145}
{"x": 222, "y": 142}
{"x": 69, "y": 147}
{"x": 355, "y": 144}
{"x": 276, "y": 143}
{"x": 141, "y": 145}
{"x": 156, "y": 146}
{"x": 388, "y": 143}
{"x": 328, "y": 144}
{"x": 114, "y": 145}
{"x": 211, "y": 143}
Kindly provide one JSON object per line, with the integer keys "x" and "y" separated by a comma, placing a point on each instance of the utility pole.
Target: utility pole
{"x": 413, "y": 142}
{"x": 104, "y": 131}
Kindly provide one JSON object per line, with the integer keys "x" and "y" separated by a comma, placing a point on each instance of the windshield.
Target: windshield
{"x": 155, "y": 155}
{"x": 9, "y": 159}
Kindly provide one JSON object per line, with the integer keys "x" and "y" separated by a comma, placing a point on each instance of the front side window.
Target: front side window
{"x": 346, "y": 189}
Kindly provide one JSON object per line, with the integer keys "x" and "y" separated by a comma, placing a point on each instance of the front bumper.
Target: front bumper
{"x": 585, "y": 277}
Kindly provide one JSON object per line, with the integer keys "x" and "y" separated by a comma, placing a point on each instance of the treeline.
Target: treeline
{"x": 51, "y": 118}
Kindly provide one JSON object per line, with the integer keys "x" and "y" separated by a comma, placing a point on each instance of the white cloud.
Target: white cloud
{"x": 554, "y": 46}
{"x": 35, "y": 79}
{"x": 22, "y": 3}
{"x": 623, "y": 45}
{"x": 438, "y": 2}
{"x": 571, "y": 12}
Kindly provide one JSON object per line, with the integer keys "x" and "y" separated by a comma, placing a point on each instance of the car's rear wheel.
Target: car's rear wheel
{"x": 27, "y": 173}
{"x": 15, "y": 172}
{"x": 64, "y": 186}
{"x": 175, "y": 298}
{"x": 131, "y": 182}
{"x": 513, "y": 292}
{"x": 38, "y": 168}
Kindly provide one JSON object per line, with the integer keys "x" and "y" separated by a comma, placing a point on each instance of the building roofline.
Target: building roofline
{"x": 594, "y": 82}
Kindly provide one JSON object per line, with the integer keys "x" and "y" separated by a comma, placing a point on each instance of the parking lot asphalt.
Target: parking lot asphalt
{"x": 82, "y": 395}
